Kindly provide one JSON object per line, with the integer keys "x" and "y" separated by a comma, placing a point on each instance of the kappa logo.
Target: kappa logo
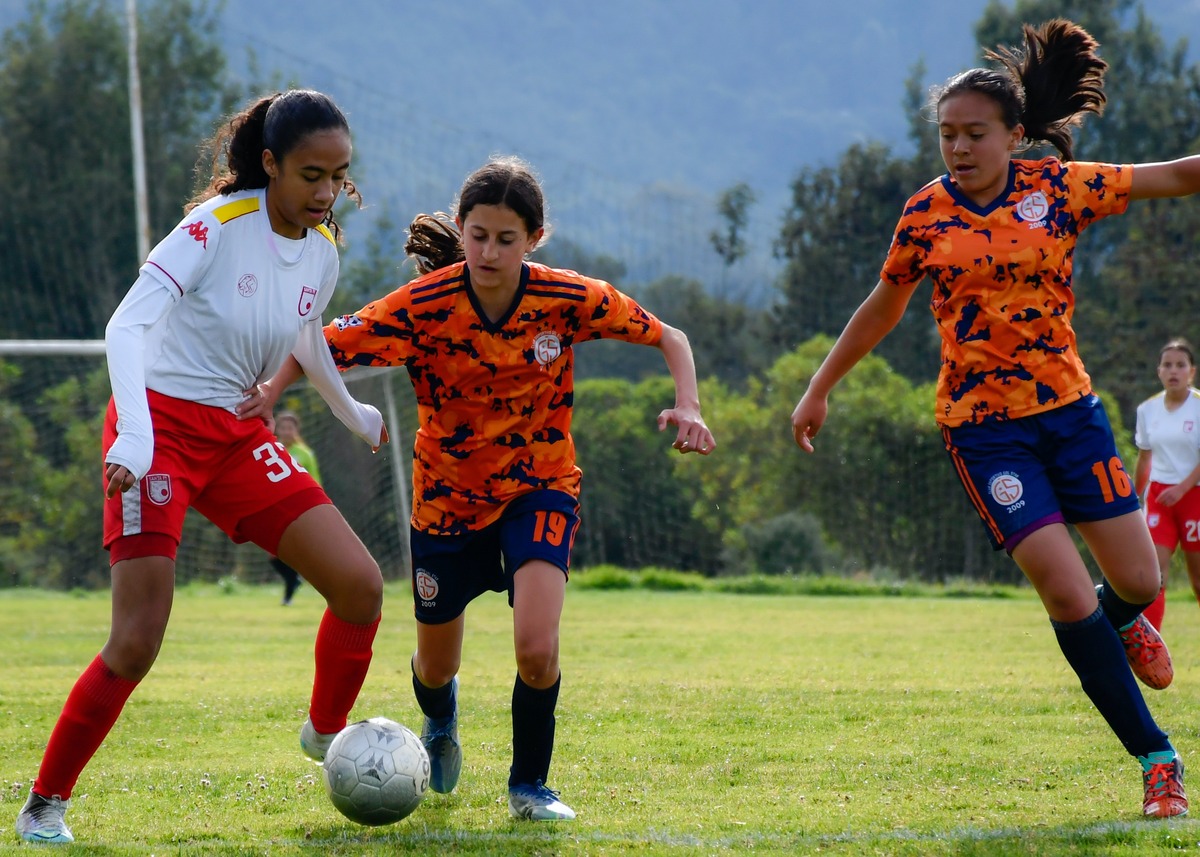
{"x": 198, "y": 231}
{"x": 547, "y": 347}
{"x": 1007, "y": 490}
{"x": 158, "y": 488}
{"x": 247, "y": 285}
{"x": 426, "y": 586}
{"x": 1033, "y": 208}
{"x": 308, "y": 296}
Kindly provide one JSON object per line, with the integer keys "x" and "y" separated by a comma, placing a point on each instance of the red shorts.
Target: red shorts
{"x": 233, "y": 472}
{"x": 1177, "y": 525}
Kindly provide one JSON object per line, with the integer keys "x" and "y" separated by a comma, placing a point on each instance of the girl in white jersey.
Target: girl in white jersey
{"x": 1168, "y": 467}
{"x": 222, "y": 300}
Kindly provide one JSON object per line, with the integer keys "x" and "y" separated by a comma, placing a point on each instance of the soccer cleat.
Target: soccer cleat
{"x": 43, "y": 819}
{"x": 440, "y": 737}
{"x": 315, "y": 744}
{"x": 1147, "y": 653}
{"x": 1162, "y": 774}
{"x": 536, "y": 802}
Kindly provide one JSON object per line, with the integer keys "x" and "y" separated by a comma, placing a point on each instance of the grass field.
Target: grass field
{"x": 689, "y": 723}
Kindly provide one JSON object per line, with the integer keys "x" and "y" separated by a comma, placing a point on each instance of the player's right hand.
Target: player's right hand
{"x": 119, "y": 479}
{"x": 807, "y": 419}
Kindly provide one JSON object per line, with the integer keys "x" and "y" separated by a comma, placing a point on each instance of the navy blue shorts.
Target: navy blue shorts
{"x": 449, "y": 572}
{"x": 1056, "y": 466}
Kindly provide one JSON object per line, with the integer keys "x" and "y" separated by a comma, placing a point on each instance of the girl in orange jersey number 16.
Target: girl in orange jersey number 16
{"x": 1029, "y": 440}
{"x": 487, "y": 340}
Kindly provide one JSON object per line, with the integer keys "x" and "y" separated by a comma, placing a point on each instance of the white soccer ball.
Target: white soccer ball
{"x": 376, "y": 771}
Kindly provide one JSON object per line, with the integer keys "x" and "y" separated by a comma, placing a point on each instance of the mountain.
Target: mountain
{"x": 637, "y": 113}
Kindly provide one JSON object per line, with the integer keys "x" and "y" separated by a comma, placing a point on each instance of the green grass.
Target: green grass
{"x": 691, "y": 721}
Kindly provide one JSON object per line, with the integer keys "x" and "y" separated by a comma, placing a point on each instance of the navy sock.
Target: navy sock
{"x": 533, "y": 731}
{"x": 1094, "y": 651}
{"x": 1120, "y": 612}
{"x": 435, "y": 702}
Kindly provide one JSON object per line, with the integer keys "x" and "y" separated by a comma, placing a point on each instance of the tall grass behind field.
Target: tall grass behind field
{"x": 690, "y": 722}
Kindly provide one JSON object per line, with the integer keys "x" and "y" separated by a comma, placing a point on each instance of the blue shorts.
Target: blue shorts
{"x": 449, "y": 572}
{"x": 1056, "y": 466}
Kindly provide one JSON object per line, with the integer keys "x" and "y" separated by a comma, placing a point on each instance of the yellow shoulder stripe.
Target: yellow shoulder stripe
{"x": 227, "y": 212}
{"x": 324, "y": 230}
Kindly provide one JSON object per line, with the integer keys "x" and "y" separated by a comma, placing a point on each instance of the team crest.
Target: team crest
{"x": 308, "y": 296}
{"x": 158, "y": 488}
{"x": 1006, "y": 488}
{"x": 1152, "y": 519}
{"x": 247, "y": 285}
{"x": 426, "y": 585}
{"x": 1033, "y": 208}
{"x": 547, "y": 347}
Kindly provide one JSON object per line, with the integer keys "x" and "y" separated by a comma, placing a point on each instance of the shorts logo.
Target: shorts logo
{"x": 1152, "y": 519}
{"x": 1033, "y": 208}
{"x": 547, "y": 347}
{"x": 1005, "y": 488}
{"x": 158, "y": 488}
{"x": 427, "y": 585}
{"x": 247, "y": 285}
{"x": 307, "y": 296}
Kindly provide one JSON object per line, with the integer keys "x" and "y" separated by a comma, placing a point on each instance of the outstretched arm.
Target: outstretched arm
{"x": 871, "y": 322}
{"x": 311, "y": 357}
{"x": 692, "y": 435}
{"x": 1180, "y": 177}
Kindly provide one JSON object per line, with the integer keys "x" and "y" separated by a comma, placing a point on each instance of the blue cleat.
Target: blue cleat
{"x": 440, "y": 737}
{"x": 536, "y": 802}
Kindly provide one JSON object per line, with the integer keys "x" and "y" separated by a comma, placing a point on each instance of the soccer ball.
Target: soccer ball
{"x": 376, "y": 771}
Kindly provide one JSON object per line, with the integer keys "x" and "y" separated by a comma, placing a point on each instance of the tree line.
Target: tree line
{"x": 878, "y": 498}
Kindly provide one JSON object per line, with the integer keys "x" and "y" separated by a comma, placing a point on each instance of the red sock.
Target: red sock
{"x": 1154, "y": 612}
{"x": 91, "y": 709}
{"x": 343, "y": 653}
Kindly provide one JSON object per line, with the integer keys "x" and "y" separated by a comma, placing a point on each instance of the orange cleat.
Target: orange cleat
{"x": 1165, "y": 797}
{"x": 1147, "y": 653}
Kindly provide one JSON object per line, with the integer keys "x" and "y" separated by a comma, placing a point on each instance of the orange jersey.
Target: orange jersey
{"x": 494, "y": 399}
{"x": 1002, "y": 295}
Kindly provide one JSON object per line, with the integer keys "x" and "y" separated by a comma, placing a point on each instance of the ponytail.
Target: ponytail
{"x": 434, "y": 242}
{"x": 1047, "y": 86}
{"x": 1063, "y": 80}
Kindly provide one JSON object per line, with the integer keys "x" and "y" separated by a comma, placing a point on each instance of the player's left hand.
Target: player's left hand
{"x": 693, "y": 435}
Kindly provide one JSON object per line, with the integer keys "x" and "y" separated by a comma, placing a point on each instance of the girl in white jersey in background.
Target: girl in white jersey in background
{"x": 1168, "y": 442}
{"x": 222, "y": 300}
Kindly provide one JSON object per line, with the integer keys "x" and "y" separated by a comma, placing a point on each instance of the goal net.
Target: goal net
{"x": 53, "y": 395}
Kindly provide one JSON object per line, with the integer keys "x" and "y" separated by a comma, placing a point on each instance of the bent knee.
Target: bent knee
{"x": 537, "y": 665}
{"x": 131, "y": 657}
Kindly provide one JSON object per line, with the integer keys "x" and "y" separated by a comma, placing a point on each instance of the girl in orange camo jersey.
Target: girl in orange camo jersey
{"x": 1028, "y": 438}
{"x": 487, "y": 340}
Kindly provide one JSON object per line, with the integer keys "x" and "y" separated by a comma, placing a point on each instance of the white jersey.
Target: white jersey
{"x": 239, "y": 302}
{"x": 1171, "y": 436}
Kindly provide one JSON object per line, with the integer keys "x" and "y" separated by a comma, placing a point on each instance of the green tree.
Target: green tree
{"x": 638, "y": 492}
{"x": 65, "y": 152}
{"x": 834, "y": 239}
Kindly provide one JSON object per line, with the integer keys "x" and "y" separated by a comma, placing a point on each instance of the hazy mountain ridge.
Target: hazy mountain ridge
{"x": 638, "y": 114}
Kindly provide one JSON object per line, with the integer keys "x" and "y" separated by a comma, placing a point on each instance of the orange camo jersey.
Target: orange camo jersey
{"x": 494, "y": 399}
{"x": 1002, "y": 293}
